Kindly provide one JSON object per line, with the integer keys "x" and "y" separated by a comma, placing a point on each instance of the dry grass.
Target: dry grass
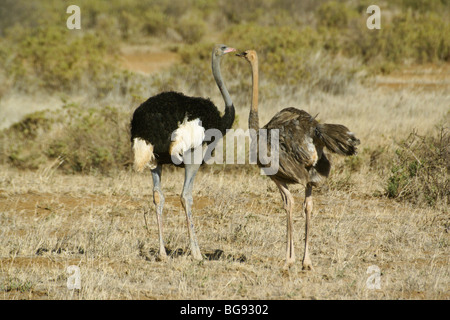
{"x": 50, "y": 221}
{"x": 96, "y": 223}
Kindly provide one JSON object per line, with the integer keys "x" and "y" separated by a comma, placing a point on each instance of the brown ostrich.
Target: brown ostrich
{"x": 301, "y": 157}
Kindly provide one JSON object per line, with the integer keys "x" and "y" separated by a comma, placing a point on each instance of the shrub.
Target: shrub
{"x": 94, "y": 139}
{"x": 155, "y": 22}
{"x": 235, "y": 12}
{"x": 420, "y": 170}
{"x": 191, "y": 28}
{"x": 281, "y": 49}
{"x": 420, "y": 38}
{"x": 19, "y": 147}
{"x": 409, "y": 37}
{"x": 294, "y": 56}
{"x": 333, "y": 15}
{"x": 414, "y": 35}
{"x": 85, "y": 139}
{"x": 424, "y": 5}
{"x": 57, "y": 59}
{"x": 431, "y": 43}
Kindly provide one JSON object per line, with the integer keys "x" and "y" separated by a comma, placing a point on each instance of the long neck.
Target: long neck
{"x": 253, "y": 119}
{"x": 228, "y": 117}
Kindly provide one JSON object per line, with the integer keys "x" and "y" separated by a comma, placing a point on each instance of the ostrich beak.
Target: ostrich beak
{"x": 227, "y": 50}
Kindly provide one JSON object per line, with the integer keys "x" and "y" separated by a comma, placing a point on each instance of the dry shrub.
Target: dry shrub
{"x": 420, "y": 170}
{"x": 81, "y": 138}
{"x": 334, "y": 14}
{"x": 95, "y": 139}
{"x": 19, "y": 141}
{"x": 191, "y": 28}
{"x": 32, "y": 59}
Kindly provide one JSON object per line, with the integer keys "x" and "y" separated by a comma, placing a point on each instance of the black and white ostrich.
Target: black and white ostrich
{"x": 301, "y": 157}
{"x": 168, "y": 125}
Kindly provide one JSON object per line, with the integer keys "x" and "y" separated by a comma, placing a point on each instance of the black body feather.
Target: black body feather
{"x": 155, "y": 119}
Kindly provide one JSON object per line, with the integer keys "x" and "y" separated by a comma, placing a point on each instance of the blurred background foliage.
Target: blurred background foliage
{"x": 34, "y": 37}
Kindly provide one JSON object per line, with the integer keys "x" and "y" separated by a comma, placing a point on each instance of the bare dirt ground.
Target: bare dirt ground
{"x": 49, "y": 221}
{"x": 425, "y": 77}
{"x": 146, "y": 59}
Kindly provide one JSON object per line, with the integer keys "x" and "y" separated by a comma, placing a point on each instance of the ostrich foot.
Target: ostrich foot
{"x": 307, "y": 265}
{"x": 288, "y": 264}
{"x": 162, "y": 256}
{"x": 196, "y": 254}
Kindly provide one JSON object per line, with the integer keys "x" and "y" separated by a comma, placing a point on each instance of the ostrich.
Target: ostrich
{"x": 165, "y": 127}
{"x": 301, "y": 156}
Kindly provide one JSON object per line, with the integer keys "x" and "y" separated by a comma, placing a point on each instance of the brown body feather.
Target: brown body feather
{"x": 301, "y": 143}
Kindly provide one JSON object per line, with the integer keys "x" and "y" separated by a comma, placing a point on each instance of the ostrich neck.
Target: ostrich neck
{"x": 218, "y": 77}
{"x": 253, "y": 119}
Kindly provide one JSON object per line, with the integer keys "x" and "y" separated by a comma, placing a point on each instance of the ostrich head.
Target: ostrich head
{"x": 249, "y": 55}
{"x": 221, "y": 49}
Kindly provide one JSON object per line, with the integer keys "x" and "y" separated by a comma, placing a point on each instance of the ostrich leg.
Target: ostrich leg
{"x": 288, "y": 202}
{"x": 158, "y": 200}
{"x": 308, "y": 206}
{"x": 187, "y": 201}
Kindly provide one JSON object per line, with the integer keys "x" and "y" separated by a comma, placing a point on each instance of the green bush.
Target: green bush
{"x": 155, "y": 22}
{"x": 334, "y": 15}
{"x": 421, "y": 38}
{"x": 431, "y": 43}
{"x": 235, "y": 11}
{"x": 56, "y": 59}
{"x": 409, "y": 37}
{"x": 191, "y": 28}
{"x": 281, "y": 49}
{"x": 424, "y": 5}
{"x": 294, "y": 56}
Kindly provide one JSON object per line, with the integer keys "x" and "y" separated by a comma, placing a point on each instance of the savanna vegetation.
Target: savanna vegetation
{"x": 68, "y": 194}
